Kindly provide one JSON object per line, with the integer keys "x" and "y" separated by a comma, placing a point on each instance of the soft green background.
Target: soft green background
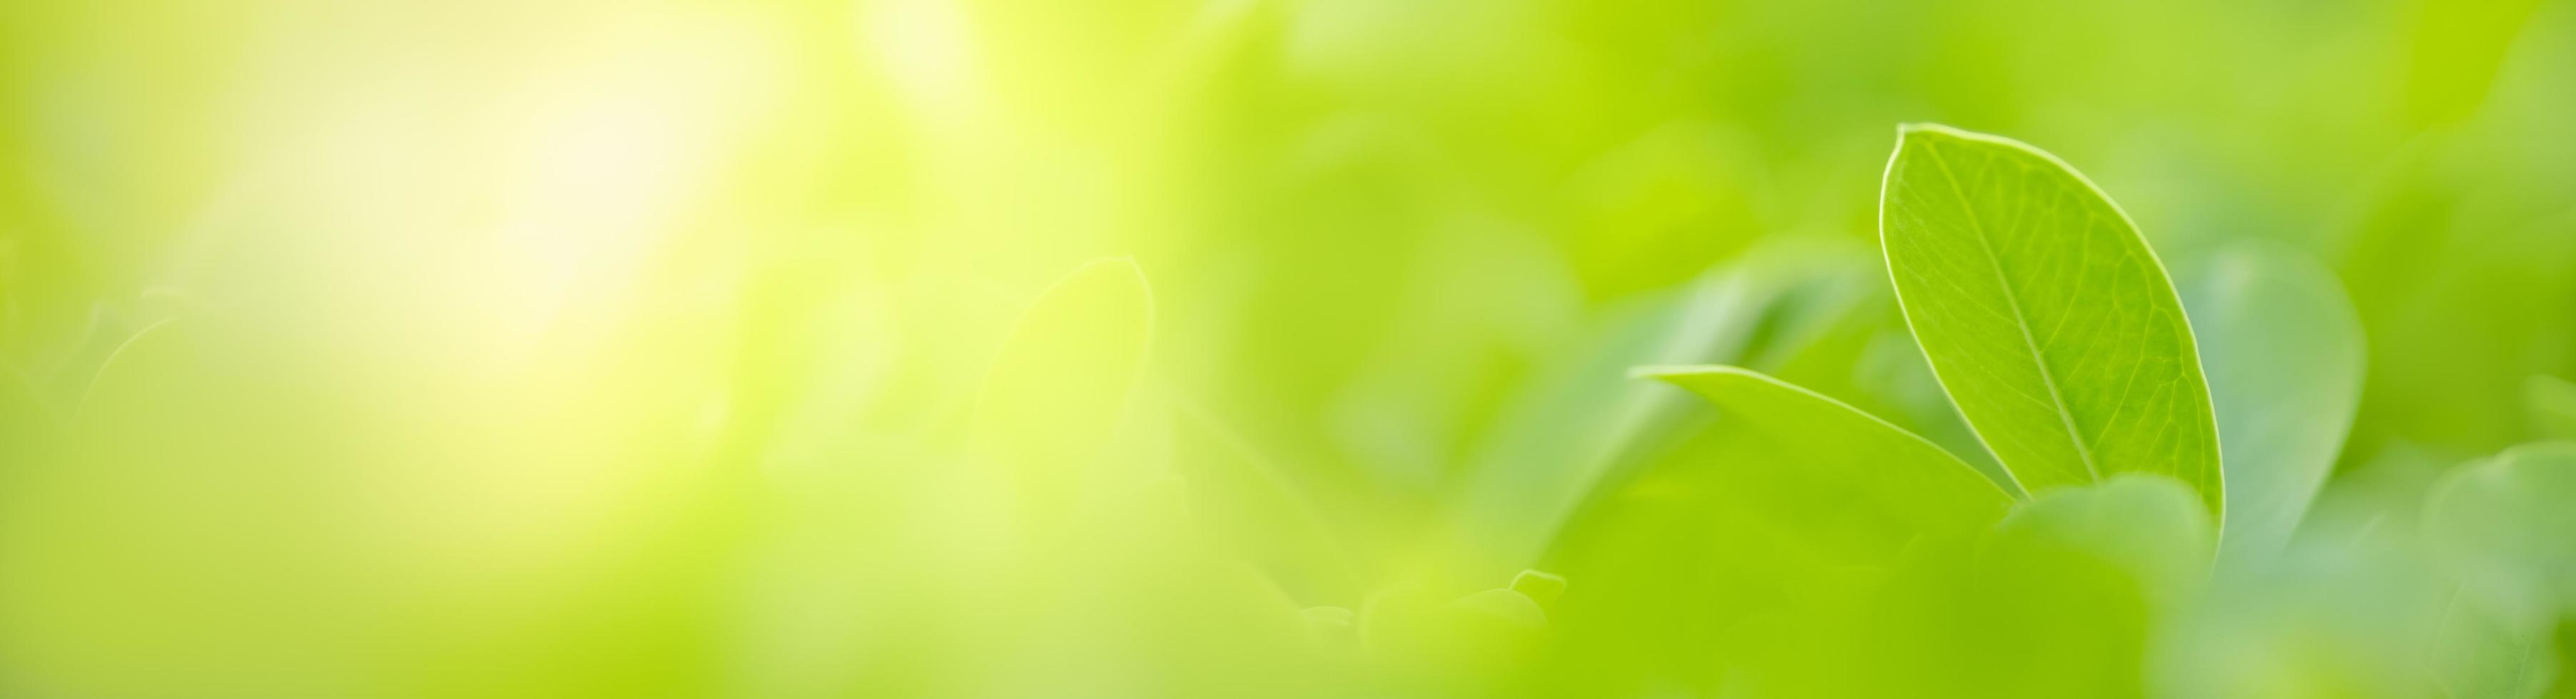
{"x": 643, "y": 349}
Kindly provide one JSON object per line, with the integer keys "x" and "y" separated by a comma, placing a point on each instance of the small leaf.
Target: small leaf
{"x": 2048, "y": 320}
{"x": 1851, "y": 473}
{"x": 2283, "y": 351}
{"x": 2553, "y": 406}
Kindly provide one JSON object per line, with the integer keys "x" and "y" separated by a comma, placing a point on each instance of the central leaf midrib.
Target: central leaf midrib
{"x": 2021, "y": 322}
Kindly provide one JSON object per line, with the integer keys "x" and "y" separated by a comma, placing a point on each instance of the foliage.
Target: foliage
{"x": 951, "y": 348}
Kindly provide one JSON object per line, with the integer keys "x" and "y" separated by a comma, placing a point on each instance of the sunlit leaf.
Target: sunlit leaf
{"x": 2283, "y": 351}
{"x": 2044, "y": 313}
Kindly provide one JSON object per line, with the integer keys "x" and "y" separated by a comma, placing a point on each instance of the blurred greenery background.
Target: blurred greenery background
{"x": 668, "y": 349}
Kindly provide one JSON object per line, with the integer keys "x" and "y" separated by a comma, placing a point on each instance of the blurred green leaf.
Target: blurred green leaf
{"x": 24, "y": 421}
{"x": 134, "y": 372}
{"x": 1254, "y": 511}
{"x": 2359, "y": 616}
{"x": 1731, "y": 548}
{"x": 1063, "y": 381}
{"x": 2481, "y": 652}
{"x": 1583, "y": 428}
{"x": 2045, "y": 314}
{"x": 2283, "y": 351}
{"x": 2059, "y": 600}
{"x": 2505, "y": 525}
{"x": 2553, "y": 406}
{"x": 1541, "y": 587}
{"x": 2141, "y": 525}
{"x": 1852, "y": 471}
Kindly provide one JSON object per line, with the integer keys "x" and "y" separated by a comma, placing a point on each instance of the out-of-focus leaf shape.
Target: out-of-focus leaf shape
{"x": 2140, "y": 525}
{"x": 22, "y": 416}
{"x": 2284, "y": 355}
{"x": 107, "y": 333}
{"x": 1505, "y": 606}
{"x": 2060, "y": 600}
{"x": 133, "y": 374}
{"x": 2553, "y": 406}
{"x": 1585, "y": 429}
{"x": 2046, "y": 316}
{"x": 2481, "y": 652}
{"x": 27, "y": 428}
{"x": 1789, "y": 504}
{"x": 2367, "y": 616}
{"x": 1853, "y": 478}
{"x": 1252, "y": 510}
{"x": 2505, "y": 526}
{"x": 1478, "y": 644}
{"x": 1062, "y": 383}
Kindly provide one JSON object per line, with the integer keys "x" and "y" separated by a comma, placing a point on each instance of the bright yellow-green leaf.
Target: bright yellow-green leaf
{"x": 2283, "y": 350}
{"x": 2045, "y": 315}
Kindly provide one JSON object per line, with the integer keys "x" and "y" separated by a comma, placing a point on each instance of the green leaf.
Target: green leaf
{"x": 2284, "y": 353}
{"x": 1852, "y": 473}
{"x": 2047, "y": 318}
{"x": 1060, "y": 389}
{"x": 2553, "y": 406}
